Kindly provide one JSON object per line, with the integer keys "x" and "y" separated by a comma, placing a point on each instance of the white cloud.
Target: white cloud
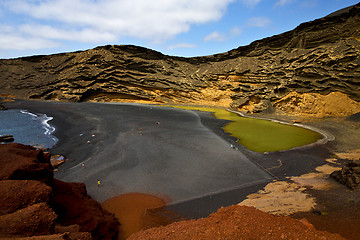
{"x": 82, "y": 35}
{"x": 214, "y": 36}
{"x": 281, "y": 3}
{"x": 19, "y": 43}
{"x": 258, "y": 22}
{"x": 221, "y": 37}
{"x": 10, "y": 40}
{"x": 182, "y": 45}
{"x": 90, "y": 20}
{"x": 235, "y": 31}
{"x": 250, "y": 3}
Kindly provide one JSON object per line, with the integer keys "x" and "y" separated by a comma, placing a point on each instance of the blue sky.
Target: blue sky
{"x": 174, "y": 27}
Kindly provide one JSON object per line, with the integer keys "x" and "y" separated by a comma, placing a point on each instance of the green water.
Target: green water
{"x": 262, "y": 135}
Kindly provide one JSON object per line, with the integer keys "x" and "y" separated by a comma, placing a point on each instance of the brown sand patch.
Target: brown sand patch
{"x": 313, "y": 180}
{"x": 138, "y": 211}
{"x": 280, "y": 197}
{"x": 332, "y": 160}
{"x": 338, "y": 208}
{"x": 350, "y": 155}
{"x": 318, "y": 180}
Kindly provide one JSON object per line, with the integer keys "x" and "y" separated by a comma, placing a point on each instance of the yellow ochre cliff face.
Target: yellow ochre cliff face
{"x": 317, "y": 105}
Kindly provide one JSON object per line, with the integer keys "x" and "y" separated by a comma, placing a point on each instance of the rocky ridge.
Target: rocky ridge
{"x": 318, "y": 57}
{"x": 33, "y": 203}
{"x": 237, "y": 222}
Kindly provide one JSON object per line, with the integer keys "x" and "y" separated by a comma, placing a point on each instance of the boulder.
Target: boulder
{"x": 7, "y": 138}
{"x": 2, "y": 107}
{"x": 18, "y": 161}
{"x": 349, "y": 175}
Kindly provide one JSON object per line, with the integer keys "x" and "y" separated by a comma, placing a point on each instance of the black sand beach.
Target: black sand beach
{"x": 183, "y": 156}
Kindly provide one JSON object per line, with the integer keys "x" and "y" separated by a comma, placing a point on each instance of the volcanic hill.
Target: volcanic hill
{"x": 285, "y": 71}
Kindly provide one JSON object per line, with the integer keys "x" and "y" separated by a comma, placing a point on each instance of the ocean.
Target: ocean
{"x": 28, "y": 128}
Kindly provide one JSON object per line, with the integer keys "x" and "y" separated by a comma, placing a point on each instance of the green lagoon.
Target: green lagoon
{"x": 261, "y": 135}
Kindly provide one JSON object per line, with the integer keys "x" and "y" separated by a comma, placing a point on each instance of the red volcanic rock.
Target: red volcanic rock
{"x": 237, "y": 222}
{"x": 44, "y": 237}
{"x": 19, "y": 161}
{"x": 24, "y": 202}
{"x": 73, "y": 232}
{"x": 62, "y": 236}
{"x": 38, "y": 219}
{"x": 74, "y": 206}
{"x": 18, "y": 194}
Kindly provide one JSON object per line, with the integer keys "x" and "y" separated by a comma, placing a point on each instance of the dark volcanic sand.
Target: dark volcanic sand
{"x": 127, "y": 159}
{"x": 187, "y": 157}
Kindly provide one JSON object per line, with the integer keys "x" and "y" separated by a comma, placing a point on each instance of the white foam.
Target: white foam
{"x": 44, "y": 120}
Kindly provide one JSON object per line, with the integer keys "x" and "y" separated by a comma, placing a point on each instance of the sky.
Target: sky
{"x": 174, "y": 27}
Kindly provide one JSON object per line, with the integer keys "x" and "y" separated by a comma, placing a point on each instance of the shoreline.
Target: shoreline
{"x": 295, "y": 162}
{"x": 99, "y": 142}
{"x": 327, "y": 136}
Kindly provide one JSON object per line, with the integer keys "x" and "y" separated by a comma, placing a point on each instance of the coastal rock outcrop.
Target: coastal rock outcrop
{"x": 6, "y": 138}
{"x": 19, "y": 162}
{"x": 18, "y": 194}
{"x": 321, "y": 56}
{"x": 349, "y": 175}
{"x": 33, "y": 203}
{"x": 2, "y": 107}
{"x": 74, "y": 206}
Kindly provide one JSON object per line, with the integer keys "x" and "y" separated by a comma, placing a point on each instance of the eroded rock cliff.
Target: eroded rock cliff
{"x": 318, "y": 57}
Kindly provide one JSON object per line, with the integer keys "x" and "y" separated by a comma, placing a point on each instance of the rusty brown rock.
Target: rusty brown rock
{"x": 24, "y": 203}
{"x": 18, "y": 194}
{"x": 237, "y": 222}
{"x": 74, "y": 206}
{"x": 38, "y": 219}
{"x": 19, "y": 161}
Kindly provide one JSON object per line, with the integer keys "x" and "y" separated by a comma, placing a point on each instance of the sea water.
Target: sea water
{"x": 28, "y": 128}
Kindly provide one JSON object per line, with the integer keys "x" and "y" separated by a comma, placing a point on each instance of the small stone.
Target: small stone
{"x": 7, "y": 138}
